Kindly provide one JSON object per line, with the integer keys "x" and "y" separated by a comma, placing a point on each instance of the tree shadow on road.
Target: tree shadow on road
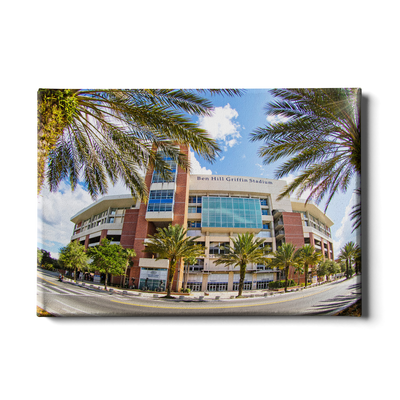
{"x": 337, "y": 303}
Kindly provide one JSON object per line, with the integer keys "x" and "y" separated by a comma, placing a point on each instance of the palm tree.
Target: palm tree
{"x": 129, "y": 253}
{"x": 244, "y": 250}
{"x": 283, "y": 258}
{"x": 299, "y": 269}
{"x": 348, "y": 254}
{"x": 188, "y": 261}
{"x": 171, "y": 243}
{"x": 115, "y": 134}
{"x": 307, "y": 256}
{"x": 321, "y": 135}
{"x": 357, "y": 259}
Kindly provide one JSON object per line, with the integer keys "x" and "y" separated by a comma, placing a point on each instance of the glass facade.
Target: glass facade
{"x": 157, "y": 178}
{"x": 160, "y": 200}
{"x": 230, "y": 212}
{"x": 153, "y": 279}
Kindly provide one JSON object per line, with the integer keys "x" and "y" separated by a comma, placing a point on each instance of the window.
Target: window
{"x": 264, "y": 212}
{"x": 111, "y": 220}
{"x": 263, "y": 284}
{"x": 160, "y": 200}
{"x": 231, "y": 212}
{"x": 264, "y": 202}
{"x": 194, "y": 210}
{"x": 157, "y": 178}
{"x": 265, "y": 226}
{"x": 194, "y": 286}
{"x": 194, "y": 199}
{"x": 216, "y": 248}
{"x": 199, "y": 266}
{"x": 161, "y": 194}
{"x": 246, "y": 285}
{"x": 159, "y": 207}
{"x": 194, "y": 224}
{"x": 217, "y": 286}
{"x": 267, "y": 247}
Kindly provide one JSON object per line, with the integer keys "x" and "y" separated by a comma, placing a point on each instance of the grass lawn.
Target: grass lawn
{"x": 42, "y": 313}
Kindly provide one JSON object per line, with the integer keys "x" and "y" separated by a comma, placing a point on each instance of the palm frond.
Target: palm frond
{"x": 320, "y": 138}
{"x": 112, "y": 133}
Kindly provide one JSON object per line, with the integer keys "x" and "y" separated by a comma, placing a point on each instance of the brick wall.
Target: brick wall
{"x": 293, "y": 234}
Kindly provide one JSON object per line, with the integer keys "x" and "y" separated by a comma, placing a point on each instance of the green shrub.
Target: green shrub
{"x": 280, "y": 284}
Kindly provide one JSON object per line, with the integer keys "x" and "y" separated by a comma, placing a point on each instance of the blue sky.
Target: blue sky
{"x": 233, "y": 120}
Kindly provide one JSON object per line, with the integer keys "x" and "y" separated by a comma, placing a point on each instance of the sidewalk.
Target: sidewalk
{"x": 193, "y": 296}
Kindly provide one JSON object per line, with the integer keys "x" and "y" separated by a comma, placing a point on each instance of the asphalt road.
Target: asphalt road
{"x": 64, "y": 299}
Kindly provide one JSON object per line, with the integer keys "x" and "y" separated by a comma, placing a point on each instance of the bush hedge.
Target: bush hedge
{"x": 280, "y": 284}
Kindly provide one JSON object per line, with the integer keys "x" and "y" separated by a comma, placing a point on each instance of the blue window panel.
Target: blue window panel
{"x": 160, "y": 201}
{"x": 231, "y": 212}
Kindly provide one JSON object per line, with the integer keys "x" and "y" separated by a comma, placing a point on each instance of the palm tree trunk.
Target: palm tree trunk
{"x": 241, "y": 280}
{"x": 185, "y": 278}
{"x": 124, "y": 277}
{"x": 305, "y": 275}
{"x": 171, "y": 274}
{"x": 347, "y": 268}
{"x": 286, "y": 277}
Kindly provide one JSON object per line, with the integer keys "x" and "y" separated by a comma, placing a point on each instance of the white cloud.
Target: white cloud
{"x": 196, "y": 168}
{"x": 221, "y": 126}
{"x": 276, "y": 119}
{"x": 222, "y": 158}
{"x": 54, "y": 211}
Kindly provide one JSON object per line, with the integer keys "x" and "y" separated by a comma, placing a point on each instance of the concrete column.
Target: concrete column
{"x": 323, "y": 248}
{"x": 230, "y": 280}
{"x": 204, "y": 283}
{"x": 86, "y": 242}
{"x": 312, "y": 239}
{"x": 329, "y": 250}
{"x": 254, "y": 281}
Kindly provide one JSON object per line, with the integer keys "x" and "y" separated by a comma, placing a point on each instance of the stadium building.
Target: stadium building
{"x": 214, "y": 207}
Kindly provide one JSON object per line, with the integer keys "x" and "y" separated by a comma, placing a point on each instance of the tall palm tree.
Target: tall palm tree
{"x": 245, "y": 249}
{"x": 299, "y": 269}
{"x": 348, "y": 253}
{"x": 171, "y": 243}
{"x": 308, "y": 256}
{"x": 115, "y": 134}
{"x": 129, "y": 253}
{"x": 283, "y": 258}
{"x": 320, "y": 136}
{"x": 188, "y": 261}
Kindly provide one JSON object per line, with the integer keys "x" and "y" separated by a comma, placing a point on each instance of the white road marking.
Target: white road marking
{"x": 77, "y": 309}
{"x": 47, "y": 288}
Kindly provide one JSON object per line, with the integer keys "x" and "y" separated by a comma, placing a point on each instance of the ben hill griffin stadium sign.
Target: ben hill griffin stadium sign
{"x": 232, "y": 179}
